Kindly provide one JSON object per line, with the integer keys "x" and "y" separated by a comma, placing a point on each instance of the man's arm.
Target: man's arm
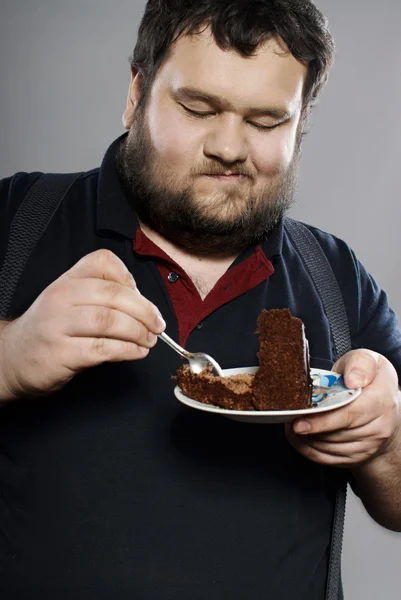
{"x": 379, "y": 482}
{"x": 5, "y": 393}
{"x": 364, "y": 436}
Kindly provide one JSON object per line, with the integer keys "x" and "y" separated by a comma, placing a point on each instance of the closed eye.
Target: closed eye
{"x": 263, "y": 127}
{"x": 196, "y": 113}
{"x": 204, "y": 114}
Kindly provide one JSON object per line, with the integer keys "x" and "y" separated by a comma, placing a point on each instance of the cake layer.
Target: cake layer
{"x": 232, "y": 393}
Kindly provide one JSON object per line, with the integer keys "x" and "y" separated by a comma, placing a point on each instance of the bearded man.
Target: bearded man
{"x": 109, "y": 487}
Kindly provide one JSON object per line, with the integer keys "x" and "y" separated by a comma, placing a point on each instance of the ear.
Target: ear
{"x": 134, "y": 94}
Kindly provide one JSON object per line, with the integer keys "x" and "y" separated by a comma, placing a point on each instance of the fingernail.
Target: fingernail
{"x": 356, "y": 379}
{"x": 161, "y": 323}
{"x": 152, "y": 338}
{"x": 302, "y": 427}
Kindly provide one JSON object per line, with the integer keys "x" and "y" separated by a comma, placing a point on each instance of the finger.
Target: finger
{"x": 354, "y": 450}
{"x": 349, "y": 458}
{"x": 103, "y": 322}
{"x": 102, "y": 264}
{"x": 350, "y": 453}
{"x": 347, "y": 435}
{"x": 358, "y": 413}
{"x": 359, "y": 367}
{"x": 89, "y": 352}
{"x": 110, "y": 294}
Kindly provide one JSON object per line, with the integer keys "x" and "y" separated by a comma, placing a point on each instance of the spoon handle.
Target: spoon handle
{"x": 163, "y": 336}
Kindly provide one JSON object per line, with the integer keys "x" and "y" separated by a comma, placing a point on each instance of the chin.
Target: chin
{"x": 221, "y": 216}
{"x": 222, "y": 209}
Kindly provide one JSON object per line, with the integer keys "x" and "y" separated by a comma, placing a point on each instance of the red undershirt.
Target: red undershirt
{"x": 189, "y": 307}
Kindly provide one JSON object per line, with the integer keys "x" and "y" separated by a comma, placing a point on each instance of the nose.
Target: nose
{"x": 226, "y": 141}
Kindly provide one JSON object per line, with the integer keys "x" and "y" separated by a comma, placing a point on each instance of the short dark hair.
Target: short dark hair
{"x": 241, "y": 25}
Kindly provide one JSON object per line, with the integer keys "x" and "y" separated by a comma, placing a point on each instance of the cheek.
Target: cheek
{"x": 273, "y": 154}
{"x": 173, "y": 143}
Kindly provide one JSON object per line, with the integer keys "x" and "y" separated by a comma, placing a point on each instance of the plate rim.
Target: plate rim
{"x": 320, "y": 408}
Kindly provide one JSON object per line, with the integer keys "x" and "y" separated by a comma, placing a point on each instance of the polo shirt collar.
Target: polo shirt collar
{"x": 116, "y": 215}
{"x": 272, "y": 246}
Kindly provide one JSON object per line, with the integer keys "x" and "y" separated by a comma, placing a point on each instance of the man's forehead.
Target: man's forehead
{"x": 197, "y": 61}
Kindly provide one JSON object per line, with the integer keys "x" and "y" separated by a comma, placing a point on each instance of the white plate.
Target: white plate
{"x": 329, "y": 393}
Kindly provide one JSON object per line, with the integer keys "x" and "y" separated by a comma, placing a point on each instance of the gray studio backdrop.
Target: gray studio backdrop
{"x": 64, "y": 76}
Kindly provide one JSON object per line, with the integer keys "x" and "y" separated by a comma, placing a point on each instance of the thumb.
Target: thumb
{"x": 359, "y": 368}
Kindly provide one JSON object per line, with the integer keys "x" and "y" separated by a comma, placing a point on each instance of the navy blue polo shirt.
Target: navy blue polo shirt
{"x": 111, "y": 488}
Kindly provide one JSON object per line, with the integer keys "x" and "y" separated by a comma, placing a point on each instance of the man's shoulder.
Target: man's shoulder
{"x": 14, "y": 189}
{"x": 80, "y": 199}
{"x": 336, "y": 249}
{"x": 343, "y": 262}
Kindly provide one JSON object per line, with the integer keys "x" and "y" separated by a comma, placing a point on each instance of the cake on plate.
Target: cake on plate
{"x": 282, "y": 382}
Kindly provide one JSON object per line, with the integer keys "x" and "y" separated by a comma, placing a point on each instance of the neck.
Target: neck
{"x": 204, "y": 272}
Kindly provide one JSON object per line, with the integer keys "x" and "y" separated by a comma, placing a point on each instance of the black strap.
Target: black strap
{"x": 329, "y": 291}
{"x": 30, "y": 222}
{"x": 325, "y": 282}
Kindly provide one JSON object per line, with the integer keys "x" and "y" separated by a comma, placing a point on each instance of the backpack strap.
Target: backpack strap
{"x": 329, "y": 291}
{"x": 29, "y": 224}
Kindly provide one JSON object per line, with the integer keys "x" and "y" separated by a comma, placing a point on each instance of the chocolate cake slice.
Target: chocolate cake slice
{"x": 233, "y": 393}
{"x": 282, "y": 382}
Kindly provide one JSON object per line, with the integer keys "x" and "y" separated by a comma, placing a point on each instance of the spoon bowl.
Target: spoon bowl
{"x": 198, "y": 361}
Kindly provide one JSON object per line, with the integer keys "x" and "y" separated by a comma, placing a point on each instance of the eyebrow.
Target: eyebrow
{"x": 189, "y": 93}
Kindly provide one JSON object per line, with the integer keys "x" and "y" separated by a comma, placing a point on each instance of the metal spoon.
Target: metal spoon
{"x": 198, "y": 361}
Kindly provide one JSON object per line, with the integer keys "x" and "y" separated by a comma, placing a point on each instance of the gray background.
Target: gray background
{"x": 64, "y": 77}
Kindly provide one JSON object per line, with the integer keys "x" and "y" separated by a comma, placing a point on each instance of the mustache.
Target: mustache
{"x": 216, "y": 170}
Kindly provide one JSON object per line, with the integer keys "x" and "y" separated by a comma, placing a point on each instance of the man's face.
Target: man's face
{"x": 213, "y": 154}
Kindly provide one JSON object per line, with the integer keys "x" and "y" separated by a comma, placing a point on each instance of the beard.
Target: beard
{"x": 226, "y": 223}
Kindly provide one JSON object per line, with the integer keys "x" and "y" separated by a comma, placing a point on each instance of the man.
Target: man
{"x": 109, "y": 487}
